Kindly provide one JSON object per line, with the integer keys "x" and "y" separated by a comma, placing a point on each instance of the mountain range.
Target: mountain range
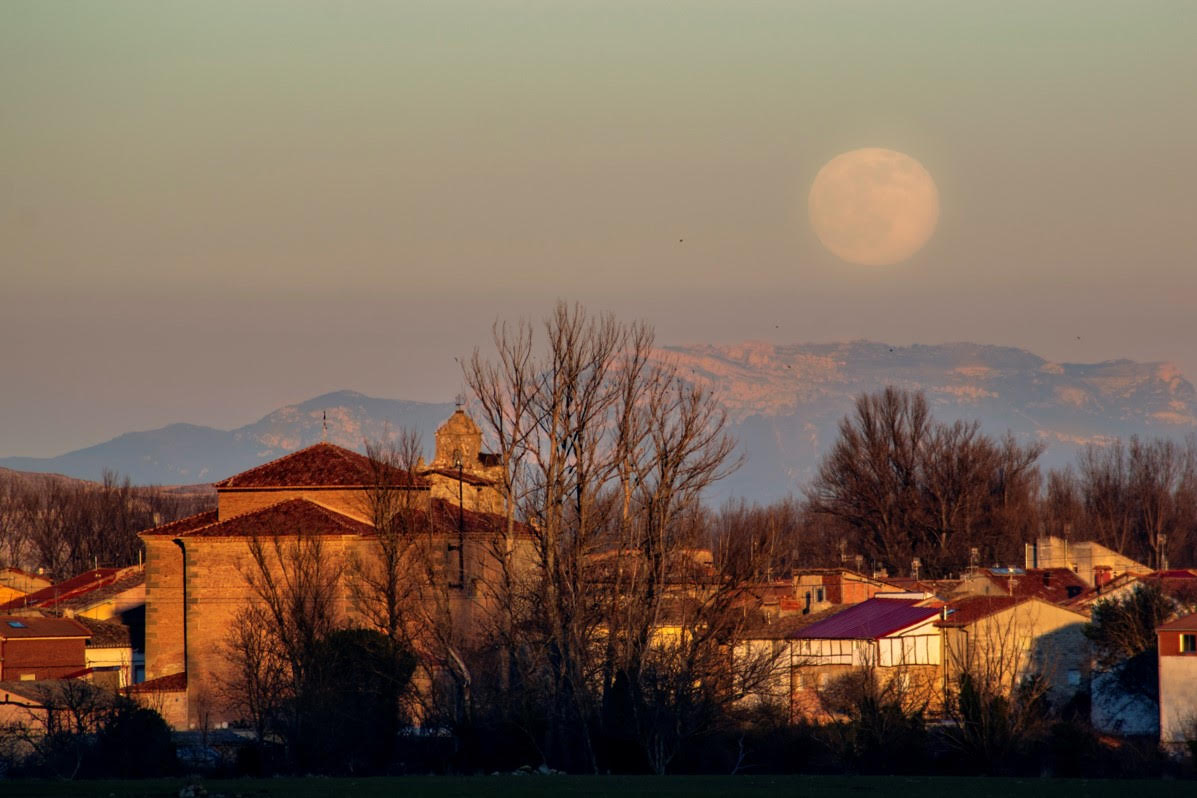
{"x": 783, "y": 404}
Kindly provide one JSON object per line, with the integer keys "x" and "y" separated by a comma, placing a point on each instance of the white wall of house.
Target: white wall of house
{"x": 1178, "y": 699}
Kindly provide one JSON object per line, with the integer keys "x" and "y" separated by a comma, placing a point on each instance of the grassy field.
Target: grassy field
{"x": 617, "y": 787}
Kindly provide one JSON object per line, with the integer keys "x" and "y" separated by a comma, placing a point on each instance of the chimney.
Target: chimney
{"x": 1047, "y": 578}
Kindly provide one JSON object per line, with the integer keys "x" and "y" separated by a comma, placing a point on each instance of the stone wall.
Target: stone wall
{"x": 164, "y": 643}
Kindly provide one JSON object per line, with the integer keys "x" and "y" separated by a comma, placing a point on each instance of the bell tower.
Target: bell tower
{"x": 458, "y": 440}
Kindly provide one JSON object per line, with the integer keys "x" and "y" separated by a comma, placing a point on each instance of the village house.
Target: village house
{"x": 15, "y": 583}
{"x": 817, "y": 589}
{"x": 34, "y": 648}
{"x": 1178, "y": 681}
{"x": 198, "y": 569}
{"x": 110, "y": 659}
{"x": 1003, "y": 640}
{"x": 892, "y": 635}
{"x": 1056, "y": 585}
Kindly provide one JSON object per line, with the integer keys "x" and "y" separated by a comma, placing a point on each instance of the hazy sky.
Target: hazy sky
{"x": 210, "y": 209}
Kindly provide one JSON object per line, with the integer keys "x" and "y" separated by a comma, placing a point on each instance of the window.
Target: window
{"x": 1074, "y": 678}
{"x": 819, "y": 595}
{"x": 17, "y": 625}
{"x": 28, "y": 677}
{"x": 1188, "y": 644}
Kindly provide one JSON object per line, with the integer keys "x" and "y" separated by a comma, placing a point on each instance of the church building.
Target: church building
{"x": 198, "y": 569}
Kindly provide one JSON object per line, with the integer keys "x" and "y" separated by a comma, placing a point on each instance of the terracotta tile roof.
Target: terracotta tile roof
{"x": 466, "y": 477}
{"x": 174, "y": 683}
{"x": 291, "y": 517}
{"x": 105, "y": 634}
{"x": 13, "y": 627}
{"x": 1188, "y": 623}
{"x": 785, "y": 626}
{"x": 1057, "y": 585}
{"x": 181, "y": 526}
{"x": 444, "y": 515}
{"x": 40, "y": 691}
{"x": 321, "y": 466}
{"x": 870, "y": 619}
{"x": 967, "y": 610}
{"x": 1175, "y": 573}
{"x": 938, "y": 587}
{"x": 53, "y": 595}
{"x": 128, "y": 580}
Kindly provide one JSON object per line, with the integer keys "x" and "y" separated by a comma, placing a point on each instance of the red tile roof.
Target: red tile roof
{"x": 321, "y": 466}
{"x": 1188, "y": 623}
{"x": 870, "y": 619}
{"x": 970, "y": 609}
{"x": 445, "y": 519}
{"x": 128, "y": 579}
{"x": 466, "y": 477}
{"x": 291, "y": 517}
{"x": 105, "y": 634}
{"x": 1056, "y": 585}
{"x": 32, "y": 626}
{"x": 783, "y": 627}
{"x": 174, "y": 683}
{"x": 1175, "y": 573}
{"x": 79, "y": 585}
{"x": 183, "y": 525}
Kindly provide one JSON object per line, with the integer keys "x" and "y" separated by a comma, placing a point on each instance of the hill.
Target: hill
{"x": 180, "y": 454}
{"x": 783, "y": 403}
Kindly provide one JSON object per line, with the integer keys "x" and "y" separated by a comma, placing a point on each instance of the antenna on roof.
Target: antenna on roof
{"x": 324, "y": 433}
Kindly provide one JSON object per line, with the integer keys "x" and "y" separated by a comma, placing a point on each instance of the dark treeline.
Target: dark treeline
{"x": 899, "y": 485}
{"x": 66, "y": 526}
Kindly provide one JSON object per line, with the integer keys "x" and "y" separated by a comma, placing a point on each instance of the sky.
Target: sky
{"x": 211, "y": 209}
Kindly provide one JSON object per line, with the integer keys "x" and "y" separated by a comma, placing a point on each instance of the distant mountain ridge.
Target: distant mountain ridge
{"x": 783, "y": 403}
{"x": 186, "y": 453}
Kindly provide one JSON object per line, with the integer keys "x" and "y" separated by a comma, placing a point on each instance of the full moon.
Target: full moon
{"x": 873, "y": 206}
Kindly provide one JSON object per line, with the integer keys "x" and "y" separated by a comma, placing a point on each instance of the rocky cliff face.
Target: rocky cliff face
{"x": 784, "y": 401}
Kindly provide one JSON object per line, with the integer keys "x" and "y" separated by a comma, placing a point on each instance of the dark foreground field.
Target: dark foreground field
{"x": 616, "y": 786}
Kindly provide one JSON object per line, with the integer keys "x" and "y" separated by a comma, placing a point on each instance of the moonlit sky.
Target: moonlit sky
{"x": 210, "y": 209}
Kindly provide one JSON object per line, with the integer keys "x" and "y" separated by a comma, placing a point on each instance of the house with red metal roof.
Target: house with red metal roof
{"x": 896, "y": 639}
{"x": 1178, "y": 681}
{"x": 198, "y": 570}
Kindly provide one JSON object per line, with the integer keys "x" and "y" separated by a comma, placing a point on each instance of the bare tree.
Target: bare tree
{"x": 257, "y": 686}
{"x": 996, "y": 696}
{"x": 1140, "y": 497}
{"x": 297, "y": 585}
{"x": 911, "y": 487}
{"x": 604, "y": 450}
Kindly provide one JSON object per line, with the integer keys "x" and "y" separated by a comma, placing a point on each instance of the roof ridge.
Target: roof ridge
{"x": 280, "y": 458}
{"x": 341, "y": 520}
{"x": 158, "y": 529}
